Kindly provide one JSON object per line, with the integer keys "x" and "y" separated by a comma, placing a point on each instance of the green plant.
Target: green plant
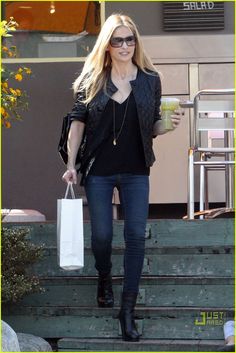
{"x": 13, "y": 99}
{"x": 18, "y": 254}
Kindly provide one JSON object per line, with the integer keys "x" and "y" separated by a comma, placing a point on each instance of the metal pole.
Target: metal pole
{"x": 190, "y": 184}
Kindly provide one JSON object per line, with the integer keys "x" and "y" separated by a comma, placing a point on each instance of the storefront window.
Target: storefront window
{"x": 53, "y": 28}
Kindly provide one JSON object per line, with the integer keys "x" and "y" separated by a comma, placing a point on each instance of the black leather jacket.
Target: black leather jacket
{"x": 147, "y": 93}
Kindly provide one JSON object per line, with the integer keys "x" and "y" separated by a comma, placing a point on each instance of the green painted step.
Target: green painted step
{"x": 117, "y": 345}
{"x": 154, "y": 291}
{"x": 165, "y": 232}
{"x": 188, "y": 261}
{"x": 153, "y": 323}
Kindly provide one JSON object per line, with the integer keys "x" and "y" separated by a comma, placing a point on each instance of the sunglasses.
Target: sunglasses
{"x": 117, "y": 42}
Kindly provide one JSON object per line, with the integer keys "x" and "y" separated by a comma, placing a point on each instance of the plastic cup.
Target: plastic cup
{"x": 168, "y": 106}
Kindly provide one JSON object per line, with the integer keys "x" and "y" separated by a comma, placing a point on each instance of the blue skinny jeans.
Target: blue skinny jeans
{"x": 134, "y": 198}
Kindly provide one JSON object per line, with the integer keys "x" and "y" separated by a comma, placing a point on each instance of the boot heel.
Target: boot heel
{"x": 126, "y": 317}
{"x": 125, "y": 336}
{"x": 122, "y": 326}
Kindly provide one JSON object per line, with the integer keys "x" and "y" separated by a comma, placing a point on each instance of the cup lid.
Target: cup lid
{"x": 169, "y": 99}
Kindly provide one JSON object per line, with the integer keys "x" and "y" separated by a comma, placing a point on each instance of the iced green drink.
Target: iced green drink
{"x": 168, "y": 106}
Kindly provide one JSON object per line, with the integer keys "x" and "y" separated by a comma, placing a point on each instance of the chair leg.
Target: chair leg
{"x": 229, "y": 186}
{"x": 229, "y": 171}
{"x": 191, "y": 184}
{"x": 206, "y": 190}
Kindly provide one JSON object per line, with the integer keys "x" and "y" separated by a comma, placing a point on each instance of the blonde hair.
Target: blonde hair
{"x": 94, "y": 75}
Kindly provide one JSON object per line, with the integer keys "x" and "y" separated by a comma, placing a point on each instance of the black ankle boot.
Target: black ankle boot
{"x": 105, "y": 297}
{"x": 126, "y": 317}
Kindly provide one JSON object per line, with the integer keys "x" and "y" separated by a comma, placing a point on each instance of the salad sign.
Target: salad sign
{"x": 198, "y": 5}
{"x": 193, "y": 15}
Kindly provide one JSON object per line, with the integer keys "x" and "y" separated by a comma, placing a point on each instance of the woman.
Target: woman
{"x": 117, "y": 109}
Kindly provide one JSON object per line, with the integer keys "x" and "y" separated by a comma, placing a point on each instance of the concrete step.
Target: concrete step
{"x": 153, "y": 322}
{"x": 117, "y": 345}
{"x": 154, "y": 291}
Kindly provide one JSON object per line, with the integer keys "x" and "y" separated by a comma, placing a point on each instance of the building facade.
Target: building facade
{"x": 187, "y": 59}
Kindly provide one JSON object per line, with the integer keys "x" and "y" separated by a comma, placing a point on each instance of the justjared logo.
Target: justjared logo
{"x": 216, "y": 318}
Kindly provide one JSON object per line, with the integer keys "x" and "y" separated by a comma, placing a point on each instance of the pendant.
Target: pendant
{"x": 114, "y": 142}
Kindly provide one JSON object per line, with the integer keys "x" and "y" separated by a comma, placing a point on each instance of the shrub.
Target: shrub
{"x": 18, "y": 253}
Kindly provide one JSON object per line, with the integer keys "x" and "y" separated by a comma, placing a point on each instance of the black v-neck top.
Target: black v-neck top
{"x": 127, "y": 156}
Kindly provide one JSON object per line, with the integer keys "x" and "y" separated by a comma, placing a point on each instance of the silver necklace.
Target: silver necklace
{"x": 115, "y": 137}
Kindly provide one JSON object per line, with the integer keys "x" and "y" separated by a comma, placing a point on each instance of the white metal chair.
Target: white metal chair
{"x": 201, "y": 153}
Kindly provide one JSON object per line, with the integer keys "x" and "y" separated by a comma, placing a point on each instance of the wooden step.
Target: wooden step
{"x": 117, "y": 345}
{"x": 188, "y": 261}
{"x": 154, "y": 291}
{"x": 87, "y": 322}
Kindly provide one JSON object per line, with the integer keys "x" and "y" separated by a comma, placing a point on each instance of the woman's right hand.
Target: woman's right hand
{"x": 70, "y": 176}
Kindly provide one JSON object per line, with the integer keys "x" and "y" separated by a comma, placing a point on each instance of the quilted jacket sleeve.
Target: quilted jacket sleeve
{"x": 79, "y": 110}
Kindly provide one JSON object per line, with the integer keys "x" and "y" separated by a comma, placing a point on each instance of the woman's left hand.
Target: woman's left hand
{"x": 176, "y": 117}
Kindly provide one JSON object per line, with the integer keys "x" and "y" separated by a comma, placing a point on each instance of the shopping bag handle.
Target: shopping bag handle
{"x": 70, "y": 187}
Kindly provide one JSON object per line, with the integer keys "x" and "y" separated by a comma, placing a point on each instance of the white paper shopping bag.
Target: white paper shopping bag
{"x": 70, "y": 232}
